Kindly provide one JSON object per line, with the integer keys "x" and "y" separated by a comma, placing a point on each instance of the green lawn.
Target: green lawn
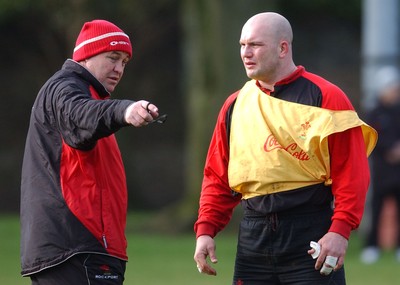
{"x": 164, "y": 259}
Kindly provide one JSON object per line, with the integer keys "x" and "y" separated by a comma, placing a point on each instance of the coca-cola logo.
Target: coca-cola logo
{"x": 272, "y": 143}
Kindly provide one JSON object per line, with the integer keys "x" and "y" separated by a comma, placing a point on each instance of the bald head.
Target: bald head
{"x": 270, "y": 25}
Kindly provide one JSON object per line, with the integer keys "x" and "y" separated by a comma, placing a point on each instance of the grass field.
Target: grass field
{"x": 164, "y": 259}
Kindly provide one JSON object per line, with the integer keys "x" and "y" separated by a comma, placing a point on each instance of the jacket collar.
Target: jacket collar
{"x": 82, "y": 72}
{"x": 292, "y": 77}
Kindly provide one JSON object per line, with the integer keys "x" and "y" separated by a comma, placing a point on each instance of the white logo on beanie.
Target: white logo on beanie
{"x": 114, "y": 43}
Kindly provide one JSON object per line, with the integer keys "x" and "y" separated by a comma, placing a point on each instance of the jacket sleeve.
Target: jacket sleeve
{"x": 83, "y": 120}
{"x": 216, "y": 199}
{"x": 350, "y": 176}
{"x": 349, "y": 170}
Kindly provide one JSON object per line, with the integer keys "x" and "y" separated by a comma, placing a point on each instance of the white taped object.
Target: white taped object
{"x": 331, "y": 260}
{"x": 326, "y": 270}
{"x": 317, "y": 249}
{"x": 329, "y": 264}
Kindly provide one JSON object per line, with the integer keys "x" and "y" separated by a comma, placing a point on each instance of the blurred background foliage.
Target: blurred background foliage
{"x": 185, "y": 60}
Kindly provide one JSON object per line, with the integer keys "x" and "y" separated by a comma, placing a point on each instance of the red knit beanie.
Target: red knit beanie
{"x": 100, "y": 36}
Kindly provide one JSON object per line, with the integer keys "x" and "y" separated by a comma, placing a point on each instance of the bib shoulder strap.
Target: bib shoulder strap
{"x": 228, "y": 119}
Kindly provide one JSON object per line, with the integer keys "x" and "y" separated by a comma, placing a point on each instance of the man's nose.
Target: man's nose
{"x": 246, "y": 51}
{"x": 119, "y": 67}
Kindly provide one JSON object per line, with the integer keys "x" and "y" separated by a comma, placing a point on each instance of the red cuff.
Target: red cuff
{"x": 341, "y": 228}
{"x": 202, "y": 229}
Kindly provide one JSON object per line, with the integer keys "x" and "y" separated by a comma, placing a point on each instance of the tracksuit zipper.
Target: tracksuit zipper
{"x": 103, "y": 236}
{"x": 104, "y": 240}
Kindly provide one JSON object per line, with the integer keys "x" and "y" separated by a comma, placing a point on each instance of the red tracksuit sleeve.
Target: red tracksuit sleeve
{"x": 216, "y": 199}
{"x": 349, "y": 170}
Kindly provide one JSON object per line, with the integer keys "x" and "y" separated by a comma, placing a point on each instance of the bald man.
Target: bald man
{"x": 291, "y": 149}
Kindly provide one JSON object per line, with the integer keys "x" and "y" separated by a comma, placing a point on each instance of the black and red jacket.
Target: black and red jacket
{"x": 73, "y": 189}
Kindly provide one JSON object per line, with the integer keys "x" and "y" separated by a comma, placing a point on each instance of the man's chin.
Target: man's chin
{"x": 111, "y": 88}
{"x": 251, "y": 74}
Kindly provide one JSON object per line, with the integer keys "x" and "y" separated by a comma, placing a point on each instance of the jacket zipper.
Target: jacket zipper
{"x": 104, "y": 240}
{"x": 103, "y": 236}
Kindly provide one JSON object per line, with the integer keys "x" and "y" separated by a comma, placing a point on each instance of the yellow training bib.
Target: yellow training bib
{"x": 276, "y": 145}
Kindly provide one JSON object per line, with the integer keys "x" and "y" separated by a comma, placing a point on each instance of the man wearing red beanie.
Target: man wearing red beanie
{"x": 73, "y": 188}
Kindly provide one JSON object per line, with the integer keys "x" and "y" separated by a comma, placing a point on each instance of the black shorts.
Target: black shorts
{"x": 273, "y": 250}
{"x": 83, "y": 269}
